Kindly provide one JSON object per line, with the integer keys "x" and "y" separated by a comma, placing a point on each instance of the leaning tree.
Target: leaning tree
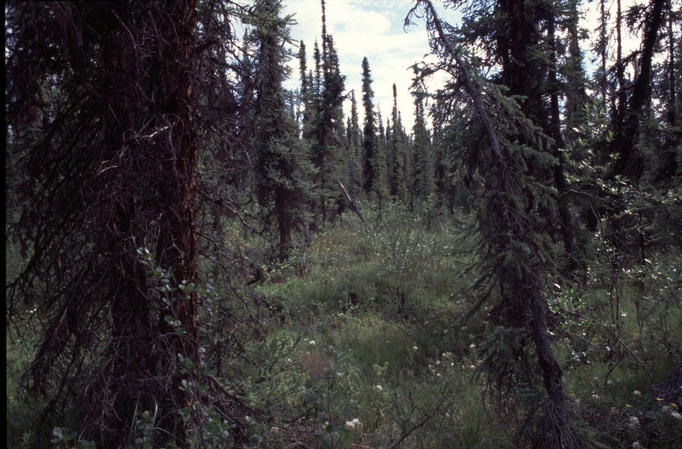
{"x": 513, "y": 253}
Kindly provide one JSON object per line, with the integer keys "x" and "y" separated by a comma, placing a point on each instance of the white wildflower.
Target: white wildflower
{"x": 353, "y": 424}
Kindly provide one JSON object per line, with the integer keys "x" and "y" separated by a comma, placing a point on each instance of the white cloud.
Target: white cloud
{"x": 372, "y": 29}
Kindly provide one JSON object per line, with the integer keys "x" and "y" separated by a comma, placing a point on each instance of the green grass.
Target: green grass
{"x": 366, "y": 330}
{"x": 384, "y": 298}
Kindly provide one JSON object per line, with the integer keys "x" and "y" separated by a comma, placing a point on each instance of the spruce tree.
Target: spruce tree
{"x": 381, "y": 188}
{"x": 397, "y": 153}
{"x": 629, "y": 160}
{"x": 281, "y": 174}
{"x": 422, "y": 162}
{"x": 369, "y": 133}
{"x": 573, "y": 71}
{"x": 330, "y": 133}
{"x": 317, "y": 78}
{"x": 355, "y": 150}
{"x": 515, "y": 258}
{"x": 442, "y": 166}
{"x": 106, "y": 187}
{"x": 304, "y": 92}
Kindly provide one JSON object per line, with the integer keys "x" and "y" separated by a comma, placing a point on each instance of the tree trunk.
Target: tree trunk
{"x": 603, "y": 82}
{"x": 284, "y": 223}
{"x": 566, "y": 221}
{"x": 180, "y": 251}
{"x": 576, "y": 96}
{"x": 672, "y": 106}
{"x": 153, "y": 348}
{"x": 629, "y": 162}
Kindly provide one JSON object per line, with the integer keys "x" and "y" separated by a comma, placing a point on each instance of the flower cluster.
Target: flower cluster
{"x": 672, "y": 412}
{"x": 353, "y": 424}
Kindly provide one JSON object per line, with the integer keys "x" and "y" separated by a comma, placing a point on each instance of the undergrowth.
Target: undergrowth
{"x": 360, "y": 348}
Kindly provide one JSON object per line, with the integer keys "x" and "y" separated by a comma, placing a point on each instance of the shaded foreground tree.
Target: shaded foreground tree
{"x": 100, "y": 124}
{"x": 513, "y": 259}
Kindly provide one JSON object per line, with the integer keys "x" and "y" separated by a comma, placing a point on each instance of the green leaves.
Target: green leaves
{"x": 64, "y": 438}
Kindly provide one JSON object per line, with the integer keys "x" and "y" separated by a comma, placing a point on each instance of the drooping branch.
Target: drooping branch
{"x": 510, "y": 228}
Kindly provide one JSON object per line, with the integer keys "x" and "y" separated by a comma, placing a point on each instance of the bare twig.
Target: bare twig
{"x": 352, "y": 203}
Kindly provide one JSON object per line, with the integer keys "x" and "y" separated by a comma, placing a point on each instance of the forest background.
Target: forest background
{"x": 206, "y": 248}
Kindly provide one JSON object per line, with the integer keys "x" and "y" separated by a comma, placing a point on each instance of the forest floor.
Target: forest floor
{"x": 372, "y": 330}
{"x": 369, "y": 344}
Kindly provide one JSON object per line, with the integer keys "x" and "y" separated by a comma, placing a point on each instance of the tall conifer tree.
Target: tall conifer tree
{"x": 280, "y": 166}
{"x": 369, "y": 132}
{"x": 354, "y": 156}
{"x": 397, "y": 153}
{"x": 515, "y": 259}
{"x": 422, "y": 162}
{"x": 108, "y": 189}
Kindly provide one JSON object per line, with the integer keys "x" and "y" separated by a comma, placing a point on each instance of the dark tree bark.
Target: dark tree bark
{"x": 523, "y": 72}
{"x": 672, "y": 92}
{"x": 177, "y": 202}
{"x": 566, "y": 220}
{"x": 111, "y": 170}
{"x": 576, "y": 95}
{"x": 620, "y": 100}
{"x": 603, "y": 79}
{"x": 629, "y": 162}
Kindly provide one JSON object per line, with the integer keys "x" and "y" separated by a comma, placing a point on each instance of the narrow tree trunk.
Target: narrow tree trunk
{"x": 621, "y": 104}
{"x": 630, "y": 162}
{"x": 566, "y": 221}
{"x": 353, "y": 204}
{"x": 284, "y": 223}
{"x": 602, "y": 52}
{"x": 576, "y": 96}
{"x": 672, "y": 106}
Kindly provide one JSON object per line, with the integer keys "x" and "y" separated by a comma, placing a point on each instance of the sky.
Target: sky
{"x": 365, "y": 28}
